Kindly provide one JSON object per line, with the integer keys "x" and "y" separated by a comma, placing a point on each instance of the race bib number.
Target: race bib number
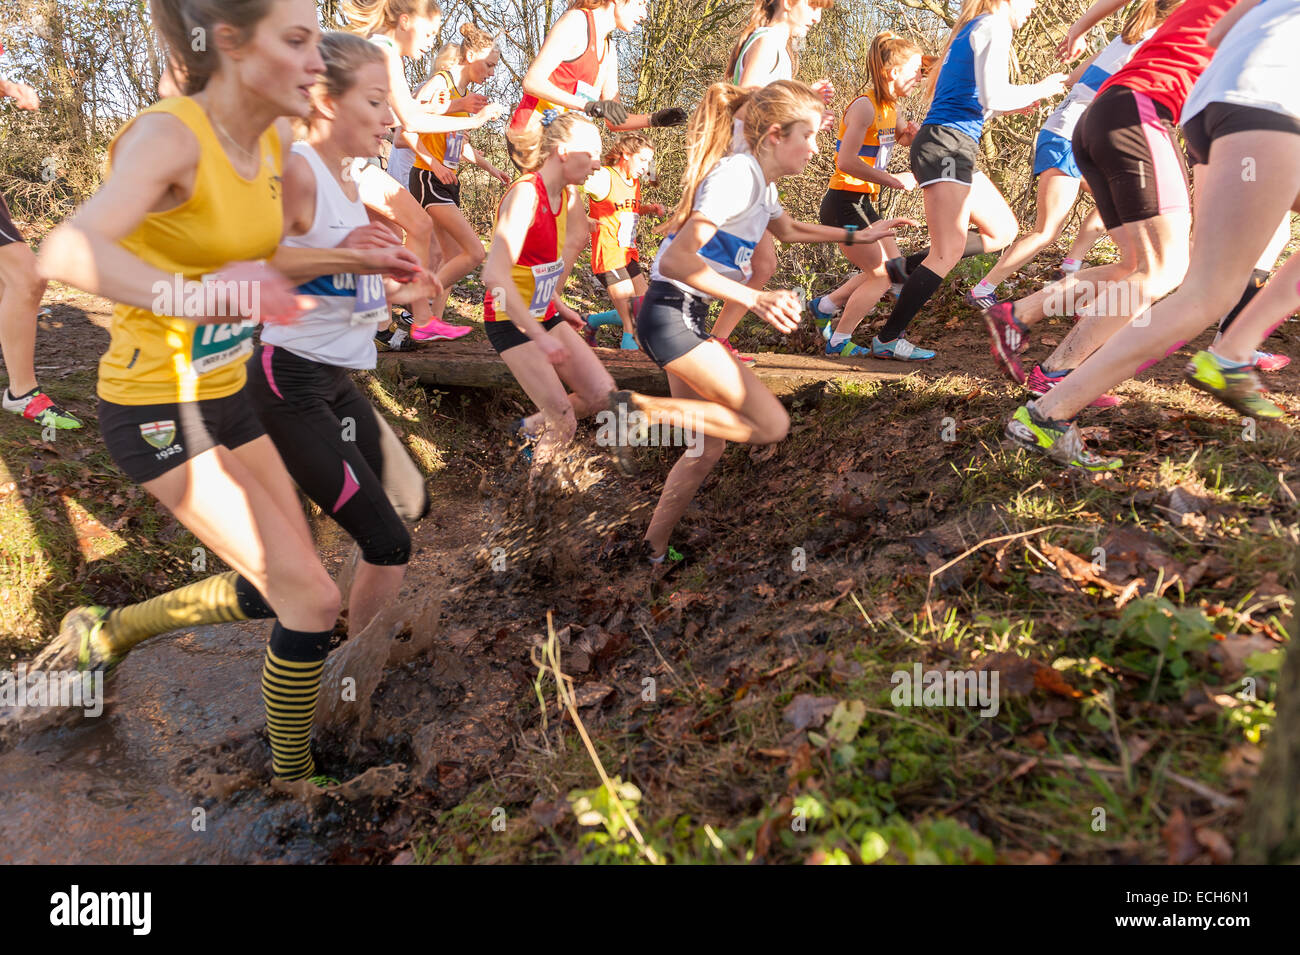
{"x": 218, "y": 345}
{"x": 743, "y": 256}
{"x": 545, "y": 278}
{"x": 627, "y": 228}
{"x": 371, "y": 306}
{"x": 455, "y": 146}
{"x": 586, "y": 91}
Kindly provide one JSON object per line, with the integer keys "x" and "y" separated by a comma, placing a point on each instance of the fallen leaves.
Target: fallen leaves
{"x": 806, "y": 710}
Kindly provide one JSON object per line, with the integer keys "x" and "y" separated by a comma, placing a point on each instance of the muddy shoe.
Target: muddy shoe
{"x": 77, "y": 647}
{"x": 1058, "y": 440}
{"x": 632, "y": 427}
{"x": 1236, "y": 387}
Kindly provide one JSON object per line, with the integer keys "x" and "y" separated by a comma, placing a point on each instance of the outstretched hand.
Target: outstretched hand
{"x": 273, "y": 301}
{"x": 884, "y": 229}
{"x": 374, "y": 235}
{"x": 780, "y": 308}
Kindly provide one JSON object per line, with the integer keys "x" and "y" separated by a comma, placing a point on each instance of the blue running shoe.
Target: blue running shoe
{"x": 847, "y": 350}
{"x": 900, "y": 349}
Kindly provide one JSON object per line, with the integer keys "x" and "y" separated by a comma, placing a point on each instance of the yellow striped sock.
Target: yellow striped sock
{"x": 211, "y": 600}
{"x": 289, "y": 690}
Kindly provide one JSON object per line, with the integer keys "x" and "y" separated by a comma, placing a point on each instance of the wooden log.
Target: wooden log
{"x": 473, "y": 364}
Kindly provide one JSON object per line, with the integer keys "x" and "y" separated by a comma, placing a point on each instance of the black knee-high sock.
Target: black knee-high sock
{"x": 290, "y": 684}
{"x": 921, "y": 284}
{"x": 974, "y": 246}
{"x": 1258, "y": 278}
{"x": 916, "y": 258}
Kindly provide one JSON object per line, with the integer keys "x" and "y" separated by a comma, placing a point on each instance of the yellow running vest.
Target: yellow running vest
{"x": 875, "y": 149}
{"x": 155, "y": 359}
{"x": 445, "y": 147}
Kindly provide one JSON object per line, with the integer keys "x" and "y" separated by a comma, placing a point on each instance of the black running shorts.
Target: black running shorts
{"x": 429, "y": 190}
{"x": 943, "y": 154}
{"x": 670, "y": 322}
{"x": 1125, "y": 147}
{"x": 9, "y": 233}
{"x": 1224, "y": 119}
{"x": 503, "y": 335}
{"x": 147, "y": 441}
{"x": 841, "y": 208}
{"x": 623, "y": 274}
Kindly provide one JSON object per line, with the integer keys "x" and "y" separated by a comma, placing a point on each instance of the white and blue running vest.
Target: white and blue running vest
{"x": 1114, "y": 55}
{"x": 736, "y": 198}
{"x": 340, "y": 330}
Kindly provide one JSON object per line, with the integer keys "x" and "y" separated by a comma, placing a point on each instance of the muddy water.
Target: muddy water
{"x": 116, "y": 788}
{"x": 176, "y": 769}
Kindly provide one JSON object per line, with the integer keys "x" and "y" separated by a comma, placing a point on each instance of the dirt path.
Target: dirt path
{"x": 172, "y": 771}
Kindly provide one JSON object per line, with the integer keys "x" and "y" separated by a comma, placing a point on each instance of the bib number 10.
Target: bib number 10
{"x": 545, "y": 279}
{"x": 743, "y": 256}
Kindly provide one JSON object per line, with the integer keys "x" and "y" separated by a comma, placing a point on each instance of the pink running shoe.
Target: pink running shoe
{"x": 1040, "y": 384}
{"x": 438, "y": 331}
{"x": 1267, "y": 361}
{"x": 1009, "y": 339}
{"x": 743, "y": 359}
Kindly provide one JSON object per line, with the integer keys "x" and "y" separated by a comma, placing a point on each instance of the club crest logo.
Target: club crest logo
{"x": 160, "y": 434}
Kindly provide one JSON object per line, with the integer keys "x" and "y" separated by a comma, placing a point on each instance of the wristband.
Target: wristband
{"x": 851, "y": 234}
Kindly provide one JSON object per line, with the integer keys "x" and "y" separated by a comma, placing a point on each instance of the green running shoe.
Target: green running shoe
{"x": 1059, "y": 440}
{"x": 36, "y": 406}
{"x": 1238, "y": 388}
{"x": 77, "y": 647}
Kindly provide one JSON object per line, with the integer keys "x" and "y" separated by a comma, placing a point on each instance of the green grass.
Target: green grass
{"x": 1047, "y": 777}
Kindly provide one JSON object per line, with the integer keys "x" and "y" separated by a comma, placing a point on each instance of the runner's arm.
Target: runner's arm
{"x": 155, "y": 158}
{"x": 1228, "y": 21}
{"x": 857, "y": 120}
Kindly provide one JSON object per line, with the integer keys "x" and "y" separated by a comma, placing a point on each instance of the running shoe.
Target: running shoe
{"x": 398, "y": 336}
{"x": 672, "y": 558}
{"x": 638, "y": 431}
{"x": 1040, "y": 383}
{"x": 982, "y": 302}
{"x": 744, "y": 359}
{"x": 1238, "y": 388}
{"x": 36, "y": 406}
{"x": 436, "y": 330}
{"x": 900, "y": 349}
{"x": 897, "y": 277}
{"x": 523, "y": 438}
{"x": 1059, "y": 440}
{"x": 1009, "y": 339}
{"x": 394, "y": 339}
{"x": 847, "y": 350}
{"x": 820, "y": 318}
{"x": 77, "y": 646}
{"x": 1267, "y": 361}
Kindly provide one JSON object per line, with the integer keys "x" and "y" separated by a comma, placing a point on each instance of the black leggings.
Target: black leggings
{"x": 339, "y": 451}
